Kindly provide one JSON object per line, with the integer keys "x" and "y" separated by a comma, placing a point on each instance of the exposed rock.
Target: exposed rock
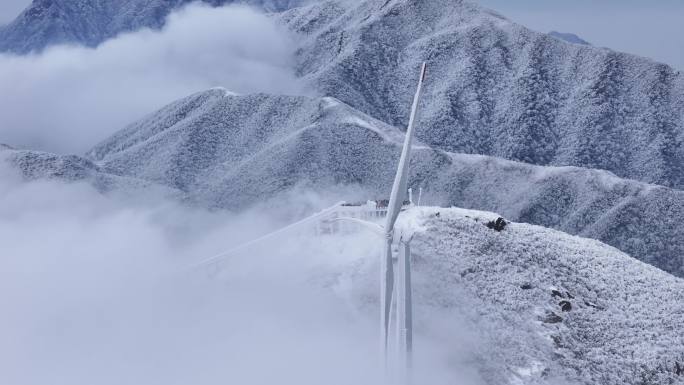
{"x": 551, "y": 318}
{"x": 565, "y": 306}
{"x": 497, "y": 225}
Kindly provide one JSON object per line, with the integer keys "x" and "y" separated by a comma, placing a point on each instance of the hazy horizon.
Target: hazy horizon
{"x": 640, "y": 27}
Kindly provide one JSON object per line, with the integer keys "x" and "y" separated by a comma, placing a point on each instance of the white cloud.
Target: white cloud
{"x": 69, "y": 98}
{"x": 92, "y": 294}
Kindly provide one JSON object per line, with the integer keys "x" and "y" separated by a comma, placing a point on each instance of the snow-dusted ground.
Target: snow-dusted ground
{"x": 623, "y": 324}
{"x": 38, "y": 165}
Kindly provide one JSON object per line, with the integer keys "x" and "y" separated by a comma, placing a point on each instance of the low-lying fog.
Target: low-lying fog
{"x": 95, "y": 290}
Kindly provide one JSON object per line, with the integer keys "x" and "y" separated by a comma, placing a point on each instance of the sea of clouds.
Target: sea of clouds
{"x": 102, "y": 290}
{"x": 69, "y": 98}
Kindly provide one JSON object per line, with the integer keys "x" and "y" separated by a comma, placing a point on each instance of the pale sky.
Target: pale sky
{"x": 9, "y": 9}
{"x": 651, "y": 28}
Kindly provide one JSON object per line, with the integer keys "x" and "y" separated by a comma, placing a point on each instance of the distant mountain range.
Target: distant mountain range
{"x": 494, "y": 87}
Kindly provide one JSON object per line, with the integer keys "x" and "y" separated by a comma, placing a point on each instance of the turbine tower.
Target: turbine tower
{"x": 404, "y": 308}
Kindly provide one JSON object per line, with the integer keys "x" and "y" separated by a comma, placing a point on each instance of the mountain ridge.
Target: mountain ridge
{"x": 495, "y": 87}
{"x": 259, "y": 146}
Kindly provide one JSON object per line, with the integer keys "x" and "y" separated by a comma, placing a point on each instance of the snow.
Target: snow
{"x": 226, "y": 93}
{"x": 495, "y": 91}
{"x": 496, "y": 88}
{"x": 464, "y": 266}
{"x": 35, "y": 165}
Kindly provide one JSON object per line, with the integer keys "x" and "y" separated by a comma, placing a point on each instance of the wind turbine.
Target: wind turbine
{"x": 404, "y": 308}
{"x": 387, "y": 278}
{"x": 404, "y": 315}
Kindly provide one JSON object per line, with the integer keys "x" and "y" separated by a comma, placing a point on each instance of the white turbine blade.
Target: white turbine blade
{"x": 374, "y": 227}
{"x": 226, "y": 254}
{"x": 386, "y": 292}
{"x": 393, "y": 209}
{"x": 401, "y": 178}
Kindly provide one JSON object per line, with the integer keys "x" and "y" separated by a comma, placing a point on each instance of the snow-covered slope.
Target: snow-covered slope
{"x": 495, "y": 87}
{"x": 90, "y": 22}
{"x": 34, "y": 165}
{"x": 638, "y": 218}
{"x": 542, "y": 306}
{"x": 233, "y": 151}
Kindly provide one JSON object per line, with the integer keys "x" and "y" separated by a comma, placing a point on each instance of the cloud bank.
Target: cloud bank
{"x": 67, "y": 99}
{"x": 95, "y": 291}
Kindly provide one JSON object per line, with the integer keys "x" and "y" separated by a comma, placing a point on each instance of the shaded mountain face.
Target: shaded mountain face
{"x": 495, "y": 87}
{"x": 230, "y": 151}
{"x": 90, "y": 22}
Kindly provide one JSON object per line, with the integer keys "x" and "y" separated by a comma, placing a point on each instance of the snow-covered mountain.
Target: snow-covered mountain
{"x": 38, "y": 165}
{"x": 543, "y": 307}
{"x": 232, "y": 151}
{"x": 495, "y": 87}
{"x": 90, "y": 22}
